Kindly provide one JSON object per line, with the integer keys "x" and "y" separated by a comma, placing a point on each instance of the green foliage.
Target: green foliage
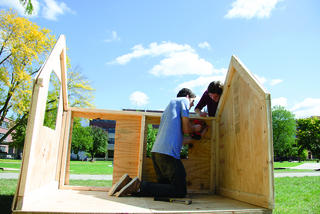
{"x": 284, "y": 130}
{"x": 23, "y": 44}
{"x": 18, "y": 136}
{"x": 28, "y": 6}
{"x": 151, "y": 138}
{"x": 82, "y": 139}
{"x": 100, "y": 141}
{"x": 309, "y": 135}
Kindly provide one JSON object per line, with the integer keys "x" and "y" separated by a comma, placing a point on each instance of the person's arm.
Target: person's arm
{"x": 202, "y": 103}
{"x": 187, "y": 128}
{"x": 201, "y": 114}
{"x": 188, "y": 140}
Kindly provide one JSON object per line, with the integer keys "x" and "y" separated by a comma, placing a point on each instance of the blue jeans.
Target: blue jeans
{"x": 171, "y": 178}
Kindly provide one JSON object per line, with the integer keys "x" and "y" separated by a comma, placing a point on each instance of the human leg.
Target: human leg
{"x": 167, "y": 169}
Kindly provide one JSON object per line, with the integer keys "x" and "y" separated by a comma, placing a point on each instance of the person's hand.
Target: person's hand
{"x": 203, "y": 114}
{"x": 197, "y": 127}
{"x": 204, "y": 131}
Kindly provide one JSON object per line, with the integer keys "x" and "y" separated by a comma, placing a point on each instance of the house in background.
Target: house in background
{"x": 110, "y": 127}
{"x": 5, "y": 150}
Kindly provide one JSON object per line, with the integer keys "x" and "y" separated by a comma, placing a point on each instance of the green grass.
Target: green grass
{"x": 76, "y": 167}
{"x": 297, "y": 195}
{"x": 287, "y": 164}
{"x": 292, "y": 195}
{"x": 91, "y": 168}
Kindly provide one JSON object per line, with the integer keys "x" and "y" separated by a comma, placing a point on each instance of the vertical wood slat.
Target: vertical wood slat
{"x": 142, "y": 151}
{"x": 67, "y": 176}
{"x": 213, "y": 164}
{"x": 65, "y": 148}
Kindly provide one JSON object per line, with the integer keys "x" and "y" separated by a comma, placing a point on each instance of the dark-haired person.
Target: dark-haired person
{"x": 210, "y": 98}
{"x": 165, "y": 154}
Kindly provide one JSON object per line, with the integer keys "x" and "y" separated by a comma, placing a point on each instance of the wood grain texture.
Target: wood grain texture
{"x": 244, "y": 137}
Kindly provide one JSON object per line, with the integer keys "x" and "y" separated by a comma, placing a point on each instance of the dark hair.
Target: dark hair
{"x": 184, "y": 92}
{"x": 215, "y": 87}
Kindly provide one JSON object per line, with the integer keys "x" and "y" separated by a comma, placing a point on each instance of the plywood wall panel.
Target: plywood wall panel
{"x": 127, "y": 147}
{"x": 244, "y": 136}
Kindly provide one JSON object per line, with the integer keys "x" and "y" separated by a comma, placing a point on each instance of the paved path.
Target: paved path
{"x": 308, "y": 166}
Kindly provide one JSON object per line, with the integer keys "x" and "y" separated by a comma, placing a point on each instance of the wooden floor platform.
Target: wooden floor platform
{"x": 71, "y": 201}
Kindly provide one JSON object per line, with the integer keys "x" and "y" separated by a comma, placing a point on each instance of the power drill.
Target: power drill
{"x": 197, "y": 135}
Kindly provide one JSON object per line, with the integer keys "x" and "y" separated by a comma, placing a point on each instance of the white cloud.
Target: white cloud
{"x": 205, "y": 45}
{"x": 138, "y": 98}
{"x": 165, "y": 48}
{"x": 251, "y": 8}
{"x": 203, "y": 81}
{"x": 281, "y": 101}
{"x": 307, "y": 108}
{"x": 180, "y": 63}
{"x": 179, "y": 59}
{"x": 262, "y": 80}
{"x": 52, "y": 9}
{"x": 276, "y": 81}
{"x": 114, "y": 37}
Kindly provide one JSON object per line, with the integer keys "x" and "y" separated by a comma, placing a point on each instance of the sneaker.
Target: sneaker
{"x": 124, "y": 180}
{"x": 130, "y": 188}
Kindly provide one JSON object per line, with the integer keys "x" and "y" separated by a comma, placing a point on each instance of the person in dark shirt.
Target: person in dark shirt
{"x": 210, "y": 98}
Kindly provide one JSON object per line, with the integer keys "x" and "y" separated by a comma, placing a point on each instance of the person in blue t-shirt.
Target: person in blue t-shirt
{"x": 165, "y": 154}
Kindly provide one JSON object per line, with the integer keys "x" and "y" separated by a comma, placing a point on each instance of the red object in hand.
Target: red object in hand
{"x": 197, "y": 135}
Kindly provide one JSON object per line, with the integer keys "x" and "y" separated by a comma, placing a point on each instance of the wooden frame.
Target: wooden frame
{"x": 233, "y": 161}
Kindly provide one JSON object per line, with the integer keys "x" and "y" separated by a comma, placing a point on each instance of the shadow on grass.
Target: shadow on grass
{"x": 6, "y": 203}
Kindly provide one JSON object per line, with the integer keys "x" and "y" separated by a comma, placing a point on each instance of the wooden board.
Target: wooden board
{"x": 245, "y": 139}
{"x": 41, "y": 149}
{"x": 94, "y": 202}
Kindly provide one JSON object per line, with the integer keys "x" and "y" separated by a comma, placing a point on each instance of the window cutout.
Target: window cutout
{"x": 81, "y": 161}
{"x": 52, "y": 103}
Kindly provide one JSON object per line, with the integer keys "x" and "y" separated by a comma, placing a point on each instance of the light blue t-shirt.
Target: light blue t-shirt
{"x": 170, "y": 135}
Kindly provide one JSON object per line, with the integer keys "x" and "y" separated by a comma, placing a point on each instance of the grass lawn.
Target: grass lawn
{"x": 293, "y": 195}
{"x": 76, "y": 167}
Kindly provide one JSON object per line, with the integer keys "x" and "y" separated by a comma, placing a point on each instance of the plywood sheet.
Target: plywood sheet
{"x": 245, "y": 142}
{"x": 40, "y": 155}
{"x": 70, "y": 201}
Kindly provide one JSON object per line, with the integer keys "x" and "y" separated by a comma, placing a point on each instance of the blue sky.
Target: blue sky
{"x": 138, "y": 54}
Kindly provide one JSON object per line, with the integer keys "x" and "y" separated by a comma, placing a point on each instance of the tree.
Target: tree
{"x": 284, "y": 131}
{"x": 100, "y": 141}
{"x": 22, "y": 44}
{"x": 151, "y": 138}
{"x": 80, "y": 94}
{"x": 82, "y": 139}
{"x": 309, "y": 135}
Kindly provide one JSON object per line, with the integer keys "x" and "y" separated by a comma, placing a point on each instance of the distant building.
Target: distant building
{"x": 110, "y": 127}
{"x": 5, "y": 150}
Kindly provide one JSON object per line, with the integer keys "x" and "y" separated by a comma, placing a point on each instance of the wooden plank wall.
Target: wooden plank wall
{"x": 245, "y": 160}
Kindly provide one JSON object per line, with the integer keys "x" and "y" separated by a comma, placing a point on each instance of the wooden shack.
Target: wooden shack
{"x": 230, "y": 170}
